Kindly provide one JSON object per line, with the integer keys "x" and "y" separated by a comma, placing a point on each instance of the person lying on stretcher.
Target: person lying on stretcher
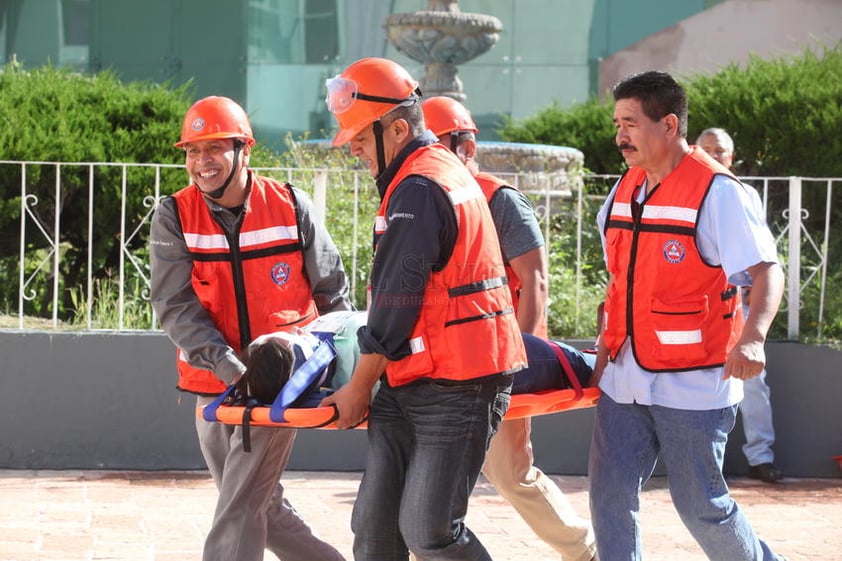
{"x": 272, "y": 358}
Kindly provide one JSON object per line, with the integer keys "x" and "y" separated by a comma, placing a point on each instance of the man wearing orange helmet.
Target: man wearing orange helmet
{"x": 509, "y": 463}
{"x": 235, "y": 255}
{"x": 441, "y": 334}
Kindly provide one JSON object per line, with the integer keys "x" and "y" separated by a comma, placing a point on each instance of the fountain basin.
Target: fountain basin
{"x": 533, "y": 167}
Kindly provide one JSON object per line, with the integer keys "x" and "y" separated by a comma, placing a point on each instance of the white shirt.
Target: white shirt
{"x": 732, "y": 232}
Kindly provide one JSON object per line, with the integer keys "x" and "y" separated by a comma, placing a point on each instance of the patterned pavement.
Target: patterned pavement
{"x": 163, "y": 516}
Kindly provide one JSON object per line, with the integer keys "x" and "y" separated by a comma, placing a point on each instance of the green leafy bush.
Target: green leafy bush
{"x": 784, "y": 113}
{"x": 52, "y": 114}
{"x": 587, "y": 126}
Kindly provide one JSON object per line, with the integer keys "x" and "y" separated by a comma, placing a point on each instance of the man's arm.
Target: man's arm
{"x": 352, "y": 399}
{"x": 182, "y": 316}
{"x": 531, "y": 269}
{"x": 601, "y": 349}
{"x": 522, "y": 245}
{"x": 322, "y": 262}
{"x": 748, "y": 357}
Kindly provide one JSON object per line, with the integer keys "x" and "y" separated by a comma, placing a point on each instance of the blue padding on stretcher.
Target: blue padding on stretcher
{"x": 209, "y": 411}
{"x": 301, "y": 380}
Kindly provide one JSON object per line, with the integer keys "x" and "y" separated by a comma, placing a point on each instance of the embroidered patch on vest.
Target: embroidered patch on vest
{"x": 674, "y": 252}
{"x": 280, "y": 273}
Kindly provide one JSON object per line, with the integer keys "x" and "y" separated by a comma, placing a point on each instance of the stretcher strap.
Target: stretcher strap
{"x": 301, "y": 380}
{"x": 209, "y": 410}
{"x": 568, "y": 369}
{"x": 247, "y": 427}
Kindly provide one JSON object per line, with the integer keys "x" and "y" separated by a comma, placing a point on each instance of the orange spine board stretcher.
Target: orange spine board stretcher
{"x": 522, "y": 405}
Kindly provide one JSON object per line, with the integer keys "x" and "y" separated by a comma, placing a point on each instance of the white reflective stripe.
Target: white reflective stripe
{"x": 621, "y": 209}
{"x": 464, "y": 194}
{"x": 416, "y": 345}
{"x": 205, "y": 241}
{"x": 678, "y": 213}
{"x": 274, "y": 233}
{"x": 679, "y": 337}
{"x": 380, "y": 224}
{"x": 657, "y": 212}
{"x": 247, "y": 239}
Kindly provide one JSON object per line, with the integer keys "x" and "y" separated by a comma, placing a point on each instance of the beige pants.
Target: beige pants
{"x": 538, "y": 500}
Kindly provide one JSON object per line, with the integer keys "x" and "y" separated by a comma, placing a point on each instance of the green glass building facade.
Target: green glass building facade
{"x": 274, "y": 55}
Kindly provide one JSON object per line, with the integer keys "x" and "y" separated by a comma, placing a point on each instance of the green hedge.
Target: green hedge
{"x": 785, "y": 115}
{"x": 54, "y": 114}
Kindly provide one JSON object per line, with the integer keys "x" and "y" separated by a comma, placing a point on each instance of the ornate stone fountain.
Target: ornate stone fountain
{"x": 442, "y": 37}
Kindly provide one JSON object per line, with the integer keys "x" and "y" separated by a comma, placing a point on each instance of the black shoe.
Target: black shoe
{"x": 765, "y": 472}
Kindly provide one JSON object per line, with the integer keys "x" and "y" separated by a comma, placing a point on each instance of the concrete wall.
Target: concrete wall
{"x": 108, "y": 401}
{"x": 728, "y": 33}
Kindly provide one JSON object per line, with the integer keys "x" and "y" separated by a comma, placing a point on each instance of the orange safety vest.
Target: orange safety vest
{"x": 679, "y": 311}
{"x": 251, "y": 282}
{"x": 490, "y": 184}
{"x": 466, "y": 327}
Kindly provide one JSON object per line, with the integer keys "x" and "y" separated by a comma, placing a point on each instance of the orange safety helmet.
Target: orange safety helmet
{"x": 365, "y": 91}
{"x": 215, "y": 117}
{"x": 444, "y": 114}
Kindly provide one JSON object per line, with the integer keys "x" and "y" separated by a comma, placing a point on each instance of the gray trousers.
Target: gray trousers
{"x": 251, "y": 512}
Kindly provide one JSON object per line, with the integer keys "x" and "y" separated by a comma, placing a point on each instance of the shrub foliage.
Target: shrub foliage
{"x": 784, "y": 113}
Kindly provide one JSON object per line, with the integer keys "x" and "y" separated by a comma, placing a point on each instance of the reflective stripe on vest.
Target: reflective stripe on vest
{"x": 467, "y": 304}
{"x": 678, "y": 310}
{"x": 258, "y": 286}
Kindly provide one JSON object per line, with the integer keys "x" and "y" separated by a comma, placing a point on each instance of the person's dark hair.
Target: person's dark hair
{"x": 412, "y": 114}
{"x": 659, "y": 95}
{"x": 268, "y": 368}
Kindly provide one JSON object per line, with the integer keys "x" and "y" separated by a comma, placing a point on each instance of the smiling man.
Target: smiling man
{"x": 679, "y": 231}
{"x": 234, "y": 256}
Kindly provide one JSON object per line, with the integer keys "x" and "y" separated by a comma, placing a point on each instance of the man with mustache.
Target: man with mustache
{"x": 679, "y": 231}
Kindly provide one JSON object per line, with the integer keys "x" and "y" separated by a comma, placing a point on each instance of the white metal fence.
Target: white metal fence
{"x": 75, "y": 238}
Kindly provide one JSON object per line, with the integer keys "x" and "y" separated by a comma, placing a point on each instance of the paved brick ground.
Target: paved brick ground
{"x": 163, "y": 516}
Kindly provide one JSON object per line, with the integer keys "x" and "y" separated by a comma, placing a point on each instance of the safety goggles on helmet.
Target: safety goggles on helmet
{"x": 342, "y": 93}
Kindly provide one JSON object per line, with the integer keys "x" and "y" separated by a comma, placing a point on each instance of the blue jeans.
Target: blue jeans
{"x": 756, "y": 410}
{"x": 626, "y": 441}
{"x": 426, "y": 446}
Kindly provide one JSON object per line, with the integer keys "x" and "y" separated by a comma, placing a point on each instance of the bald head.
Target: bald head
{"x": 718, "y": 144}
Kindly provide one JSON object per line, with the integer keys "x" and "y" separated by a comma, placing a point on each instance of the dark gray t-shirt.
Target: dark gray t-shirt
{"x": 515, "y": 222}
